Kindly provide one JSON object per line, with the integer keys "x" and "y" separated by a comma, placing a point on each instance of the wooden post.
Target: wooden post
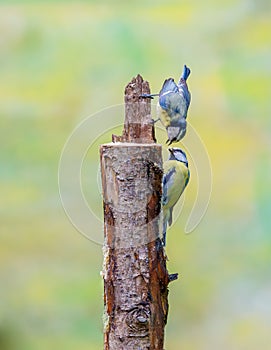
{"x": 134, "y": 269}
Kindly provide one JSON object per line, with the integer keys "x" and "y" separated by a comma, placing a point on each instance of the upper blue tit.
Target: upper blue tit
{"x": 175, "y": 180}
{"x": 174, "y": 101}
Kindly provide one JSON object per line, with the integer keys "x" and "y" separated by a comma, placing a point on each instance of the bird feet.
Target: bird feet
{"x": 149, "y": 95}
{"x": 146, "y": 96}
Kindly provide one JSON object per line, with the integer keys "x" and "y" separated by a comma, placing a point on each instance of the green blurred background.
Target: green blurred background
{"x": 62, "y": 61}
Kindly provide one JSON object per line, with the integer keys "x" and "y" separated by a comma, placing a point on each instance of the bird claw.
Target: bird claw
{"x": 147, "y": 96}
{"x": 154, "y": 121}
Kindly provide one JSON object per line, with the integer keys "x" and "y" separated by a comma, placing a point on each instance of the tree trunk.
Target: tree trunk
{"x": 134, "y": 269}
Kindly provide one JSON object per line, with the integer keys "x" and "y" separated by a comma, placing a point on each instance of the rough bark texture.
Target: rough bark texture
{"x": 134, "y": 270}
{"x": 138, "y": 125}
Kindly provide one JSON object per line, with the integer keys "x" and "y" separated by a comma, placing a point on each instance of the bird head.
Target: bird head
{"x": 178, "y": 154}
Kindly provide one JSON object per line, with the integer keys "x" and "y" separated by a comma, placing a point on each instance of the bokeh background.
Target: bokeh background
{"x": 62, "y": 61}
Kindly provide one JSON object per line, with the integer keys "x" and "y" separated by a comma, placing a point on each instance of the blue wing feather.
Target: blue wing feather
{"x": 167, "y": 179}
{"x": 170, "y": 101}
{"x": 169, "y": 86}
{"x": 186, "y": 94}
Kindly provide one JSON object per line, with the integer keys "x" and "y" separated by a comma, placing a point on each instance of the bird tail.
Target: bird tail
{"x": 169, "y": 86}
{"x": 186, "y": 73}
{"x": 167, "y": 221}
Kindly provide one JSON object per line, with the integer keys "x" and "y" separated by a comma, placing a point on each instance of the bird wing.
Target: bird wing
{"x": 172, "y": 108}
{"x": 169, "y": 86}
{"x": 168, "y": 179}
{"x": 169, "y": 98}
{"x": 175, "y": 179}
{"x": 174, "y": 101}
{"x": 187, "y": 96}
{"x": 183, "y": 90}
{"x": 171, "y": 102}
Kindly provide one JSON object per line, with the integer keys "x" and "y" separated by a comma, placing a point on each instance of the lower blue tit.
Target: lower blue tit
{"x": 175, "y": 179}
{"x": 174, "y": 101}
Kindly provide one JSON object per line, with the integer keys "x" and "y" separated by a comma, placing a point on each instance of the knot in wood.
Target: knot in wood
{"x": 138, "y": 320}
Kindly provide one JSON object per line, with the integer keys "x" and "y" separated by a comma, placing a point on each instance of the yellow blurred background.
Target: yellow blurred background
{"x": 62, "y": 61}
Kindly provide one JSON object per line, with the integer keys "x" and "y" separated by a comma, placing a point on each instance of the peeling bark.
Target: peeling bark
{"x": 134, "y": 270}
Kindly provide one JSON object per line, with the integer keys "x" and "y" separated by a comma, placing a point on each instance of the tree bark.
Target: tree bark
{"x": 134, "y": 268}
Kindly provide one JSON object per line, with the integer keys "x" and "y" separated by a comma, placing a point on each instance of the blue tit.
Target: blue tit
{"x": 175, "y": 179}
{"x": 174, "y": 101}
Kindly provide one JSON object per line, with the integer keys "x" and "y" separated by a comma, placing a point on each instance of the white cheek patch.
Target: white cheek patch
{"x": 181, "y": 157}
